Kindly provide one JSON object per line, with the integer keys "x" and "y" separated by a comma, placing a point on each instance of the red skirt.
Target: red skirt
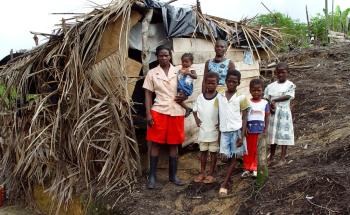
{"x": 166, "y": 129}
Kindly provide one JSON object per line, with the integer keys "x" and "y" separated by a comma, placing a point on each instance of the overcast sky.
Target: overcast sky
{"x": 19, "y": 17}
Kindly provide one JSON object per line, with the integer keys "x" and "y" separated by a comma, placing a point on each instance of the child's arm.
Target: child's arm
{"x": 244, "y": 127}
{"x": 281, "y": 99}
{"x": 266, "y": 120}
{"x": 198, "y": 121}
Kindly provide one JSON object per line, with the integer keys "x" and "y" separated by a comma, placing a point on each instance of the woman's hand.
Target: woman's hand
{"x": 150, "y": 121}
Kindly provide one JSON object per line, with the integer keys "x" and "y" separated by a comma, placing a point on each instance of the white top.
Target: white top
{"x": 257, "y": 110}
{"x": 208, "y": 113}
{"x": 230, "y": 111}
{"x": 275, "y": 90}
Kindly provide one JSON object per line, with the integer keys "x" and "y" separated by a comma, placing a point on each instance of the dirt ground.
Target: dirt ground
{"x": 316, "y": 179}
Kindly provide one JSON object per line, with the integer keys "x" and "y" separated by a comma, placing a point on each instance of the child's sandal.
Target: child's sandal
{"x": 209, "y": 180}
{"x": 199, "y": 178}
{"x": 223, "y": 191}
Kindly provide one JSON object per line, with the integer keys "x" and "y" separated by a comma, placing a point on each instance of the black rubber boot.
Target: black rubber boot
{"x": 152, "y": 177}
{"x": 172, "y": 172}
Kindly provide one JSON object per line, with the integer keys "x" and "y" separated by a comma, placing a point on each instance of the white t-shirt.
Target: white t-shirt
{"x": 207, "y": 112}
{"x": 256, "y": 115}
{"x": 230, "y": 111}
{"x": 275, "y": 90}
{"x": 257, "y": 110}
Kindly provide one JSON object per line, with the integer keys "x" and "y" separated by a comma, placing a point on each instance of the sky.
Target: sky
{"x": 19, "y": 17}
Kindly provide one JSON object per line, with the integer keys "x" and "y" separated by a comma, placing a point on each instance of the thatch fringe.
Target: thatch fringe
{"x": 76, "y": 134}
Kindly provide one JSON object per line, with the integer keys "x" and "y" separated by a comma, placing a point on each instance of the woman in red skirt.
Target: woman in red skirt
{"x": 165, "y": 118}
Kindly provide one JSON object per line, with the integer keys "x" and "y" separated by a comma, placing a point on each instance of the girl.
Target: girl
{"x": 219, "y": 65}
{"x": 279, "y": 94}
{"x": 165, "y": 118}
{"x": 185, "y": 79}
{"x": 258, "y": 113}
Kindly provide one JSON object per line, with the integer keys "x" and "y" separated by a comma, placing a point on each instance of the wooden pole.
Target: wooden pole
{"x": 11, "y": 54}
{"x": 308, "y": 23}
{"x": 146, "y": 54}
{"x": 332, "y": 15}
{"x": 326, "y": 18}
{"x": 274, "y": 15}
{"x": 262, "y": 161}
{"x": 36, "y": 40}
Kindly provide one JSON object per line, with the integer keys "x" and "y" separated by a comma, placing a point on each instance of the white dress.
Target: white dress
{"x": 281, "y": 131}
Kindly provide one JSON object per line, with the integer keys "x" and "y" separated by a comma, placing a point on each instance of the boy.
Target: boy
{"x": 205, "y": 112}
{"x": 233, "y": 123}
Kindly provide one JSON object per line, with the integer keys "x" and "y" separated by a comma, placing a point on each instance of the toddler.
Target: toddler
{"x": 185, "y": 79}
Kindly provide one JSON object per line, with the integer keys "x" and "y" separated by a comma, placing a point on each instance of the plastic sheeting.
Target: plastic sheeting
{"x": 181, "y": 21}
{"x": 156, "y": 37}
{"x": 177, "y": 21}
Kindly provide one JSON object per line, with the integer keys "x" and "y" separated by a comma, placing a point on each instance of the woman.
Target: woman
{"x": 165, "y": 118}
{"x": 219, "y": 64}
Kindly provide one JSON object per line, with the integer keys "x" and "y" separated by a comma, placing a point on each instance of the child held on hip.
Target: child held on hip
{"x": 205, "y": 112}
{"x": 186, "y": 77}
{"x": 257, "y": 123}
{"x": 232, "y": 123}
{"x": 280, "y": 130}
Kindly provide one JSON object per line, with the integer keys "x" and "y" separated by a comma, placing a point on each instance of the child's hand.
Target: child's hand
{"x": 265, "y": 131}
{"x": 239, "y": 142}
{"x": 273, "y": 107}
{"x": 187, "y": 72}
{"x": 198, "y": 122}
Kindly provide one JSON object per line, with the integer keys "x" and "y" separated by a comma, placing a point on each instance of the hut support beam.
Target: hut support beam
{"x": 146, "y": 55}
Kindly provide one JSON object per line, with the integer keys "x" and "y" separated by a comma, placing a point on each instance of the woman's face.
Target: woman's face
{"x": 220, "y": 48}
{"x": 163, "y": 57}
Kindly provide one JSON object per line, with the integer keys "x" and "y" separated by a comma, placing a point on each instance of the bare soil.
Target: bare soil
{"x": 316, "y": 179}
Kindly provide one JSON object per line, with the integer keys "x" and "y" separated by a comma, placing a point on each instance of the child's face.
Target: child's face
{"x": 282, "y": 75}
{"x": 256, "y": 91}
{"x": 231, "y": 83}
{"x": 186, "y": 62}
{"x": 211, "y": 83}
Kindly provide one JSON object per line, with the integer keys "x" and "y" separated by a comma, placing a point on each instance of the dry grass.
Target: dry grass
{"x": 76, "y": 135}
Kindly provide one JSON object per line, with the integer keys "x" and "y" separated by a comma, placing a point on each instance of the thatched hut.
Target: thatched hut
{"x": 72, "y": 129}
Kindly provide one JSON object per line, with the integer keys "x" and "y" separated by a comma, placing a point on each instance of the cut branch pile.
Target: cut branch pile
{"x": 76, "y": 134}
{"x": 253, "y": 36}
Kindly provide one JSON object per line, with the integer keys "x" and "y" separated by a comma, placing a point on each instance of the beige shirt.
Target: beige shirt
{"x": 165, "y": 88}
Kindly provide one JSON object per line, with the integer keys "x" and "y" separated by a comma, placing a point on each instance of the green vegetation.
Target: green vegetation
{"x": 296, "y": 33}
